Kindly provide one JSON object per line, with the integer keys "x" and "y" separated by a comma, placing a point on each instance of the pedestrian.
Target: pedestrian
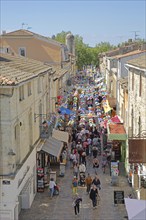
{"x": 74, "y": 185}
{"x": 93, "y": 195}
{"x": 88, "y": 182}
{"x": 82, "y": 168}
{"x": 94, "y": 151}
{"x": 104, "y": 162}
{"x": 95, "y": 164}
{"x": 76, "y": 204}
{"x": 76, "y": 170}
{"x": 96, "y": 182}
{"x": 52, "y": 185}
{"x": 83, "y": 157}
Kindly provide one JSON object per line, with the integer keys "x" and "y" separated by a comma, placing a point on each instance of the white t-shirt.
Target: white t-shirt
{"x": 52, "y": 184}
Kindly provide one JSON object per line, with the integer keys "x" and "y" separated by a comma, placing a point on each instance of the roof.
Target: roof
{"x": 128, "y": 54}
{"x": 17, "y": 69}
{"x": 26, "y": 33}
{"x": 59, "y": 72}
{"x": 138, "y": 62}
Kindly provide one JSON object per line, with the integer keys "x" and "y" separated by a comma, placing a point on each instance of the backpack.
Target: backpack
{"x": 75, "y": 184}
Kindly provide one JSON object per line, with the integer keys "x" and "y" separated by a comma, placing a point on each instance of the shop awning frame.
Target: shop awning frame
{"x": 53, "y": 147}
{"x": 116, "y": 135}
{"x": 60, "y": 135}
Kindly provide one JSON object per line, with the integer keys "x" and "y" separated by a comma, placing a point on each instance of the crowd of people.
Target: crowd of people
{"x": 85, "y": 149}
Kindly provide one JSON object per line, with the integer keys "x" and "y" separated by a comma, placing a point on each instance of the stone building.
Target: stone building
{"x": 136, "y": 151}
{"x": 24, "y": 86}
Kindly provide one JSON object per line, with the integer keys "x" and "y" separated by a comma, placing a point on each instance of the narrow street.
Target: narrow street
{"x": 60, "y": 207}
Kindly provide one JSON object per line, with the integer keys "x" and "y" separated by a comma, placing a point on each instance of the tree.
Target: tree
{"x": 60, "y": 37}
{"x": 85, "y": 55}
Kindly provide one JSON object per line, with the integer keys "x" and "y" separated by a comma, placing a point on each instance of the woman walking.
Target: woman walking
{"x": 95, "y": 164}
{"x": 76, "y": 204}
{"x": 93, "y": 196}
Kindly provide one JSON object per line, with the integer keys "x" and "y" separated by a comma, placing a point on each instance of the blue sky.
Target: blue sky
{"x": 96, "y": 21}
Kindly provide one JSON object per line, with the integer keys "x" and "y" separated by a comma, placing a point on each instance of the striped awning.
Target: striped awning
{"x": 53, "y": 147}
{"x": 116, "y": 131}
{"x": 60, "y": 135}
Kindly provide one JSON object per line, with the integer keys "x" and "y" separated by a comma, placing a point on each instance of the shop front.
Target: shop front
{"x": 47, "y": 158}
{"x": 137, "y": 168}
{"x": 118, "y": 136}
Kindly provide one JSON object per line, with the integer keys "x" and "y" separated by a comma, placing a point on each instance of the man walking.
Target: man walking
{"x": 88, "y": 182}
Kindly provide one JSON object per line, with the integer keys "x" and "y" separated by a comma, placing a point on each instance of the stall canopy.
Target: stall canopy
{"x": 112, "y": 101}
{"x": 67, "y": 111}
{"x": 53, "y": 147}
{"x": 136, "y": 209}
{"x": 116, "y": 131}
{"x": 60, "y": 135}
{"x": 106, "y": 106}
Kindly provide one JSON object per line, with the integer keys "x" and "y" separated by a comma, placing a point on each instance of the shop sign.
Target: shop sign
{"x": 114, "y": 168}
{"x": 40, "y": 180}
{"x": 137, "y": 150}
{"x": 6, "y": 182}
{"x": 118, "y": 197}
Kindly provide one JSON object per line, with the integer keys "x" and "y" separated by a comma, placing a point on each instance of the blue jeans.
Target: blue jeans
{"x": 51, "y": 191}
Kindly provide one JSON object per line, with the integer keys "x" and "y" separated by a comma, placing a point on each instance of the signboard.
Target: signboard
{"x": 137, "y": 150}
{"x": 114, "y": 171}
{"x": 118, "y": 197}
{"x": 6, "y": 182}
{"x": 40, "y": 179}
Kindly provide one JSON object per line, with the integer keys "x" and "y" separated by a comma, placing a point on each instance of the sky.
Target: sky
{"x": 96, "y": 21}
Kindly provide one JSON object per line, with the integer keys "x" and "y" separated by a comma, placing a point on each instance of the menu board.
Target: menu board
{"x": 118, "y": 197}
{"x": 114, "y": 171}
{"x": 40, "y": 180}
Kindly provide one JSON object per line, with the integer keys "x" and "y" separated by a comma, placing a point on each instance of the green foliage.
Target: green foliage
{"x": 60, "y": 37}
{"x": 85, "y": 55}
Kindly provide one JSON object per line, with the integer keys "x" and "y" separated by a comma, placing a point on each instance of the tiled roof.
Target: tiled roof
{"x": 59, "y": 71}
{"x": 138, "y": 62}
{"x": 26, "y": 33}
{"x": 17, "y": 69}
{"x": 128, "y": 54}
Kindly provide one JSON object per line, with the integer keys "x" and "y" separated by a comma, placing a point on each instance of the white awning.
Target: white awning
{"x": 136, "y": 209}
{"x": 60, "y": 135}
{"x": 53, "y": 147}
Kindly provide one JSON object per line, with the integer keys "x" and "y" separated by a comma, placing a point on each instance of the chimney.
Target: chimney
{"x": 130, "y": 40}
{"x": 143, "y": 46}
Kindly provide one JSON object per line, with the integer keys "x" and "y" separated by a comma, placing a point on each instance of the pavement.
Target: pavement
{"x": 60, "y": 206}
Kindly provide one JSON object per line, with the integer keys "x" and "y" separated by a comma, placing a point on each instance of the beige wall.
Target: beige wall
{"x": 19, "y": 115}
{"x": 35, "y": 49}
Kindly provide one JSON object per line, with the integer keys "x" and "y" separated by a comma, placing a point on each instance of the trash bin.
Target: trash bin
{"x": 62, "y": 169}
{"x": 53, "y": 175}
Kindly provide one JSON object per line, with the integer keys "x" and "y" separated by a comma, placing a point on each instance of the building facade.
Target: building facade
{"x": 24, "y": 86}
{"x": 136, "y": 151}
